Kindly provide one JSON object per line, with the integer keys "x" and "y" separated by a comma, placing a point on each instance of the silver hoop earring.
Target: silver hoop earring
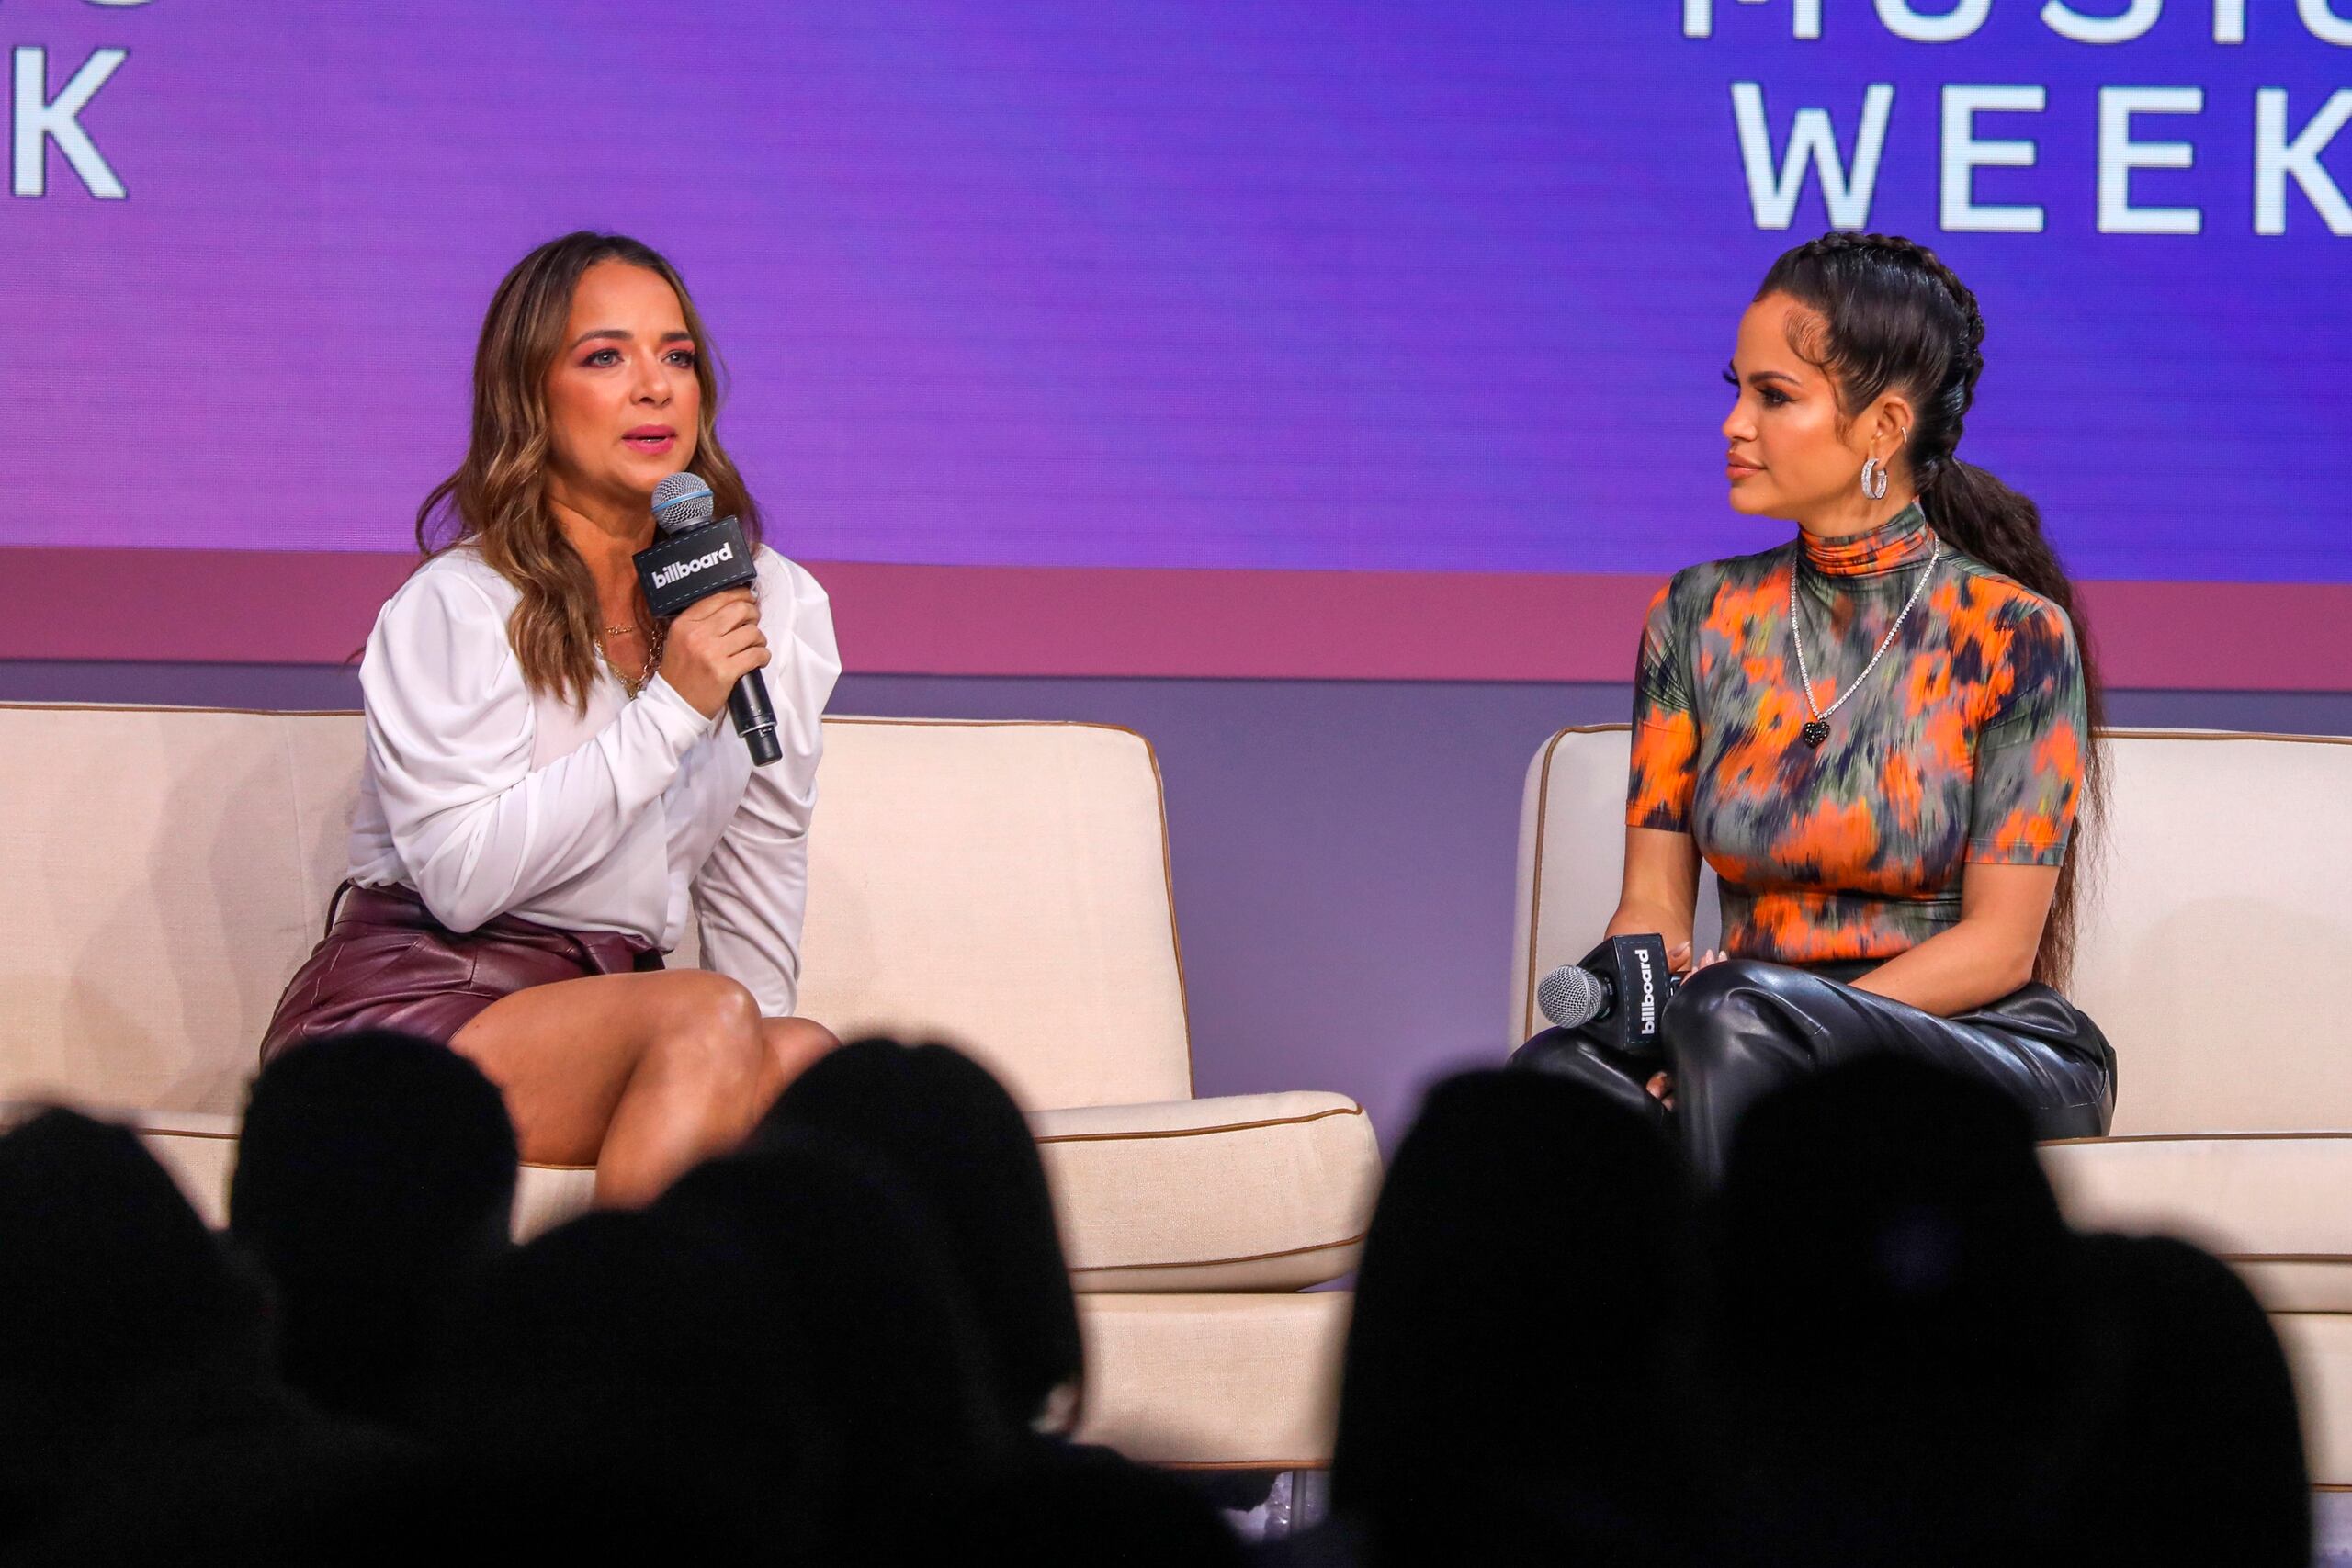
{"x": 1874, "y": 479}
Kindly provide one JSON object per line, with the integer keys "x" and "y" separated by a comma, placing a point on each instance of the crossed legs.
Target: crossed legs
{"x": 641, "y": 1076}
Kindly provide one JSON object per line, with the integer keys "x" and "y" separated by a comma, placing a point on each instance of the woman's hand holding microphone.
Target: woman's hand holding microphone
{"x": 714, "y": 643}
{"x": 1661, "y": 1085}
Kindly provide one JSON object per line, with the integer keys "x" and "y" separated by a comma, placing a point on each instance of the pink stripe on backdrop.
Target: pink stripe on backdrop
{"x": 261, "y": 607}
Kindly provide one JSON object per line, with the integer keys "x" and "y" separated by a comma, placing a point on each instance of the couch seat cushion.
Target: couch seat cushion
{"x": 1242, "y": 1381}
{"x": 1248, "y": 1193}
{"x": 1252, "y": 1192}
{"x": 2270, "y": 1203}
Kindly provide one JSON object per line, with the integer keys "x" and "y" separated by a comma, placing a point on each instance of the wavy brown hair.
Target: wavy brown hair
{"x": 1891, "y": 314}
{"x": 497, "y": 501}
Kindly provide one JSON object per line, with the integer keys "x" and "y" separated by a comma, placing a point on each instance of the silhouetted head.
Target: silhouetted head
{"x": 111, "y": 1276}
{"x": 1519, "y": 1319}
{"x": 1888, "y": 1208}
{"x": 942, "y": 1122}
{"x": 2195, "y": 1448}
{"x": 1072, "y": 1505}
{"x": 1900, "y": 1326}
{"x": 127, "y": 1337}
{"x": 894, "y": 1377}
{"x": 374, "y": 1167}
{"x": 645, "y": 1352}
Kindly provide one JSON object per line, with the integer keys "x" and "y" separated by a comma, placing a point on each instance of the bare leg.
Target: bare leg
{"x": 641, "y": 1076}
{"x": 794, "y": 1044}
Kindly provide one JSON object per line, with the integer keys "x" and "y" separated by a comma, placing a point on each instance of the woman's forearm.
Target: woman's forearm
{"x": 1638, "y": 919}
{"x": 1963, "y": 966}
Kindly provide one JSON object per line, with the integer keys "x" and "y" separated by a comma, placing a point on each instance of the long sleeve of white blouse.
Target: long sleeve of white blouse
{"x": 449, "y": 738}
{"x": 751, "y": 893}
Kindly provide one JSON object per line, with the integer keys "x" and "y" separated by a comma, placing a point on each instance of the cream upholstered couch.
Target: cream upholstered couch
{"x": 2209, "y": 950}
{"x": 1005, "y": 887}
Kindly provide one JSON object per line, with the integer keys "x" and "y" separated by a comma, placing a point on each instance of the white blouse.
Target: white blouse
{"x": 488, "y": 799}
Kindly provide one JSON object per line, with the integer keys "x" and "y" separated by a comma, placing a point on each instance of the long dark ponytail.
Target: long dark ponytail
{"x": 1892, "y": 315}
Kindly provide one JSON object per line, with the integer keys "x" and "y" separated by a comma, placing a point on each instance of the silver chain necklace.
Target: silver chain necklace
{"x": 1817, "y": 729}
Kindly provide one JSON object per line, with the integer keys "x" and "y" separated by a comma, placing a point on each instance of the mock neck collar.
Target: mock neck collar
{"x": 1903, "y": 539}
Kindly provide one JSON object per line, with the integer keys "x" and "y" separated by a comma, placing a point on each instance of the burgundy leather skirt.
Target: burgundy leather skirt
{"x": 385, "y": 963}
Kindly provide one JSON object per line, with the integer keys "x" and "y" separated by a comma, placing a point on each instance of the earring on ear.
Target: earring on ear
{"x": 1874, "y": 469}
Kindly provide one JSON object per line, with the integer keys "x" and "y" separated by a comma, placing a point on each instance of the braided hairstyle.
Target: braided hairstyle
{"x": 1888, "y": 314}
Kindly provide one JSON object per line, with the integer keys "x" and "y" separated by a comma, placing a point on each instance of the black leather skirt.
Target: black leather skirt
{"x": 1741, "y": 1028}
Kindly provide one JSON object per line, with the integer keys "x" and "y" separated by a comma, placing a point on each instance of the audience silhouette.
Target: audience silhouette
{"x": 1516, "y": 1383}
{"x": 375, "y": 1170}
{"x": 854, "y": 1341}
{"x": 136, "y": 1388}
{"x": 952, "y": 1131}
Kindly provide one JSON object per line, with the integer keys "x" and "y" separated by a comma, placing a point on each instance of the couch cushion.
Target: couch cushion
{"x": 1254, "y": 1193}
{"x": 166, "y": 869}
{"x": 2272, "y": 1204}
{"x": 2319, "y": 1349}
{"x": 202, "y": 1154}
{"x": 1229, "y": 1382}
{"x": 1251, "y": 1193}
{"x": 1003, "y": 886}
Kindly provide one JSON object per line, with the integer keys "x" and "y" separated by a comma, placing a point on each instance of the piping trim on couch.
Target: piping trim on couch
{"x": 2272, "y": 1137}
{"x": 1356, "y": 1240}
{"x": 1198, "y": 1132}
{"x": 1535, "y": 882}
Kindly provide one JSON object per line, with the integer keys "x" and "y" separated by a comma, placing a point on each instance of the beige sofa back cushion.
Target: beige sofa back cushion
{"x": 1002, "y": 884}
{"x": 2216, "y": 920}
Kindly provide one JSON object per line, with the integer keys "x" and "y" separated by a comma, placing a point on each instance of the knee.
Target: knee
{"x": 713, "y": 1030}
{"x": 1701, "y": 1018}
{"x": 796, "y": 1045}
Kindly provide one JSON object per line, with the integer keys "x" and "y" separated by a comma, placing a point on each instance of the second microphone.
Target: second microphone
{"x": 1619, "y": 989}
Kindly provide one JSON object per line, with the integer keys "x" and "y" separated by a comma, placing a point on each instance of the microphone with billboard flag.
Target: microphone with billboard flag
{"x": 1619, "y": 989}
{"x": 695, "y": 558}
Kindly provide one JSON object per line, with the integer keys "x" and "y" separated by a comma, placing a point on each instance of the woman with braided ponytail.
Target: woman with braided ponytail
{"x": 1877, "y": 733}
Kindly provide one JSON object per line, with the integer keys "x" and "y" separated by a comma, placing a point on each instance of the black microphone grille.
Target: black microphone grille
{"x": 1571, "y": 996}
{"x": 682, "y": 502}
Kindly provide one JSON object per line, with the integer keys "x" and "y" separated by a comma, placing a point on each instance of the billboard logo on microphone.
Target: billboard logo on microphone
{"x": 1649, "y": 991}
{"x": 682, "y": 569}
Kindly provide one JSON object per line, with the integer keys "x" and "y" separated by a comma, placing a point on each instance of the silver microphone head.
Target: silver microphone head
{"x": 1571, "y": 996}
{"x": 682, "y": 502}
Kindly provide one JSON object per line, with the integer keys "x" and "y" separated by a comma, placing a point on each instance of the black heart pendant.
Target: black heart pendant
{"x": 1816, "y": 731}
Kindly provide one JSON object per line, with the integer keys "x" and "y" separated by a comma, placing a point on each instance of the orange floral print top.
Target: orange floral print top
{"x": 1964, "y": 744}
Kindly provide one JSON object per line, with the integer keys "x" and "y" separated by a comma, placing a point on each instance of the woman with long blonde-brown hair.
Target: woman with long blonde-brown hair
{"x": 548, "y": 788}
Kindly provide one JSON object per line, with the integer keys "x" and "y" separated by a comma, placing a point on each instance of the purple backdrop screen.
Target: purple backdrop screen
{"x": 1350, "y": 283}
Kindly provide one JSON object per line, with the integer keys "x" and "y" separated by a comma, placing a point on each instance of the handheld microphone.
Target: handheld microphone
{"x": 695, "y": 558}
{"x": 1619, "y": 989}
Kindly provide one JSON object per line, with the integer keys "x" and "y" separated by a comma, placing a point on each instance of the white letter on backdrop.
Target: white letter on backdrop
{"x": 2324, "y": 24}
{"x": 2275, "y": 158}
{"x": 1699, "y": 17}
{"x": 1963, "y": 18}
{"x": 2067, "y": 22}
{"x": 2229, "y": 22}
{"x": 40, "y": 119}
{"x": 1812, "y": 139}
{"x": 2119, "y": 155}
{"x": 1964, "y": 154}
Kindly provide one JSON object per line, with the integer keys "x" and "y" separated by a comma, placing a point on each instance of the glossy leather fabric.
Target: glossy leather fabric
{"x": 385, "y": 963}
{"x": 1739, "y": 1029}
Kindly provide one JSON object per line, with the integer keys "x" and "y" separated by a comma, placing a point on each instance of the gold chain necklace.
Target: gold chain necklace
{"x": 653, "y": 645}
